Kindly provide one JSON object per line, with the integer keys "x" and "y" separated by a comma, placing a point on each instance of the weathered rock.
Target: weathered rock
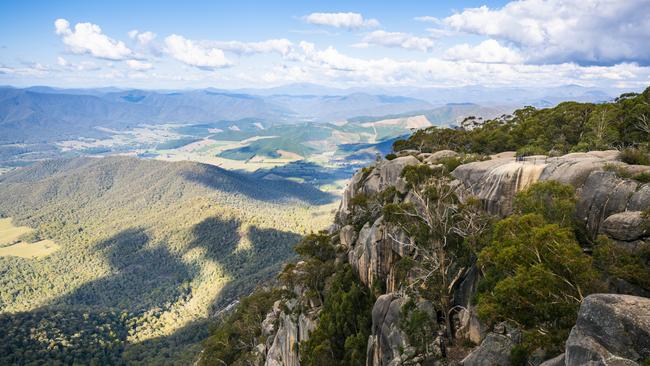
{"x": 387, "y": 342}
{"x": 626, "y": 226}
{"x": 372, "y": 256}
{"x": 439, "y": 155}
{"x": 348, "y": 236}
{"x": 602, "y": 195}
{"x": 555, "y": 361}
{"x": 495, "y": 182}
{"x": 610, "y": 330}
{"x": 390, "y": 171}
{"x": 495, "y": 348}
{"x": 640, "y": 200}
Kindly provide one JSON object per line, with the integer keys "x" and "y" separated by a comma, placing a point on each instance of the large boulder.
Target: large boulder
{"x": 603, "y": 195}
{"x": 387, "y": 342}
{"x": 626, "y": 226}
{"x": 610, "y": 330}
{"x": 435, "y": 157}
{"x": 495, "y": 348}
{"x": 640, "y": 200}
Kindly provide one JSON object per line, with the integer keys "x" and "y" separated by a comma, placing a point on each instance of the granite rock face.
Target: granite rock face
{"x": 495, "y": 348}
{"x": 601, "y": 193}
{"x": 626, "y": 226}
{"x": 611, "y": 330}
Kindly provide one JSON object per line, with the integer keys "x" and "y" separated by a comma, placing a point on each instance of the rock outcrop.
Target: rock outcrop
{"x": 610, "y": 330}
{"x": 626, "y": 226}
{"x": 601, "y": 193}
{"x": 495, "y": 348}
{"x": 387, "y": 342}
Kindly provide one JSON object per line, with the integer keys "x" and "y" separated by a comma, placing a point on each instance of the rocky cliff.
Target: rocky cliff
{"x": 609, "y": 326}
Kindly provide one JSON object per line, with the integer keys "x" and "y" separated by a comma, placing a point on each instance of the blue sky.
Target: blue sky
{"x": 191, "y": 44}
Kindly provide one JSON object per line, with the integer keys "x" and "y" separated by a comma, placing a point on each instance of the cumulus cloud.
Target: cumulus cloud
{"x": 143, "y": 38}
{"x": 194, "y": 54}
{"x": 139, "y": 65}
{"x": 601, "y": 32}
{"x": 87, "y": 38}
{"x": 280, "y": 46}
{"x": 341, "y": 20}
{"x": 397, "y": 39}
{"x": 489, "y": 51}
{"x": 427, "y": 19}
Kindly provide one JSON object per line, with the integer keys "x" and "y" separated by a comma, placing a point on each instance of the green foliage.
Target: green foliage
{"x": 419, "y": 326}
{"x": 317, "y": 246}
{"x": 162, "y": 243}
{"x": 642, "y": 177}
{"x": 518, "y": 356}
{"x": 569, "y": 126}
{"x": 232, "y": 341}
{"x": 536, "y": 275}
{"x": 344, "y": 323}
{"x": 556, "y": 202}
{"x": 634, "y": 156}
{"x": 391, "y": 156}
{"x": 530, "y": 151}
{"x": 618, "y": 262}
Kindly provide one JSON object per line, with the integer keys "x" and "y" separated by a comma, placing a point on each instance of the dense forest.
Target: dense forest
{"x": 569, "y": 127}
{"x": 149, "y": 250}
{"x": 535, "y": 265}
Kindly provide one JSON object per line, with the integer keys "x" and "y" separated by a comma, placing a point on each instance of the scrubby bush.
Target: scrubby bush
{"x": 634, "y": 156}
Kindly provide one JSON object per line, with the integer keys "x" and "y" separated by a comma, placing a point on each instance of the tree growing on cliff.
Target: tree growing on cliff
{"x": 535, "y": 272}
{"x": 438, "y": 222}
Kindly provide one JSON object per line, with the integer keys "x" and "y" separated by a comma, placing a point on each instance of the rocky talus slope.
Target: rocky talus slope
{"x": 611, "y": 329}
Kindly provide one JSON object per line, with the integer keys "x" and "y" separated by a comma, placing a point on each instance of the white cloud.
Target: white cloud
{"x": 280, "y": 46}
{"x": 194, "y": 54}
{"x": 87, "y": 38}
{"x": 588, "y": 32}
{"x": 341, "y": 20}
{"x": 397, "y": 39}
{"x": 61, "y": 61}
{"x": 427, "y": 19}
{"x": 139, "y": 65}
{"x": 489, "y": 51}
{"x": 143, "y": 38}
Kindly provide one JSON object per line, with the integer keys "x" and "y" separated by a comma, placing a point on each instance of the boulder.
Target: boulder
{"x": 602, "y": 195}
{"x": 495, "y": 348}
{"x": 347, "y": 236}
{"x": 555, "y": 361}
{"x": 372, "y": 256}
{"x": 640, "y": 199}
{"x": 390, "y": 170}
{"x": 626, "y": 226}
{"x": 610, "y": 330}
{"x": 435, "y": 157}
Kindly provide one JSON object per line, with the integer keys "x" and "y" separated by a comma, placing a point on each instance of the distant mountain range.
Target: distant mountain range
{"x": 44, "y": 114}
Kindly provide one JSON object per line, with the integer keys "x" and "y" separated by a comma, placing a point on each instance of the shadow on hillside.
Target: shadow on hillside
{"x": 250, "y": 185}
{"x": 310, "y": 172}
{"x": 144, "y": 279}
{"x": 142, "y": 275}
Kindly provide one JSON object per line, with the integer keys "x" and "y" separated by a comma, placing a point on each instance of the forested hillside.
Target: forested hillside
{"x": 468, "y": 246}
{"x": 148, "y": 251}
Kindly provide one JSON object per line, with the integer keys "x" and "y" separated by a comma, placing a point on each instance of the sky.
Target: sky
{"x": 259, "y": 44}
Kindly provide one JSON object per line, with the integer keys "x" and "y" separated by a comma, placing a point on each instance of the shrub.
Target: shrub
{"x": 555, "y": 201}
{"x": 634, "y": 156}
{"x": 642, "y": 177}
{"x": 391, "y": 156}
{"x": 530, "y": 150}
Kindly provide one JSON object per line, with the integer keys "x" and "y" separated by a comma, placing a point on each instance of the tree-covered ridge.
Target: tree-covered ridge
{"x": 148, "y": 249}
{"x": 568, "y": 127}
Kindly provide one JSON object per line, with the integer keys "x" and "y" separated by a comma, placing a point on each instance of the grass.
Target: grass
{"x": 12, "y": 245}
{"x": 22, "y": 249}
{"x": 10, "y": 234}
